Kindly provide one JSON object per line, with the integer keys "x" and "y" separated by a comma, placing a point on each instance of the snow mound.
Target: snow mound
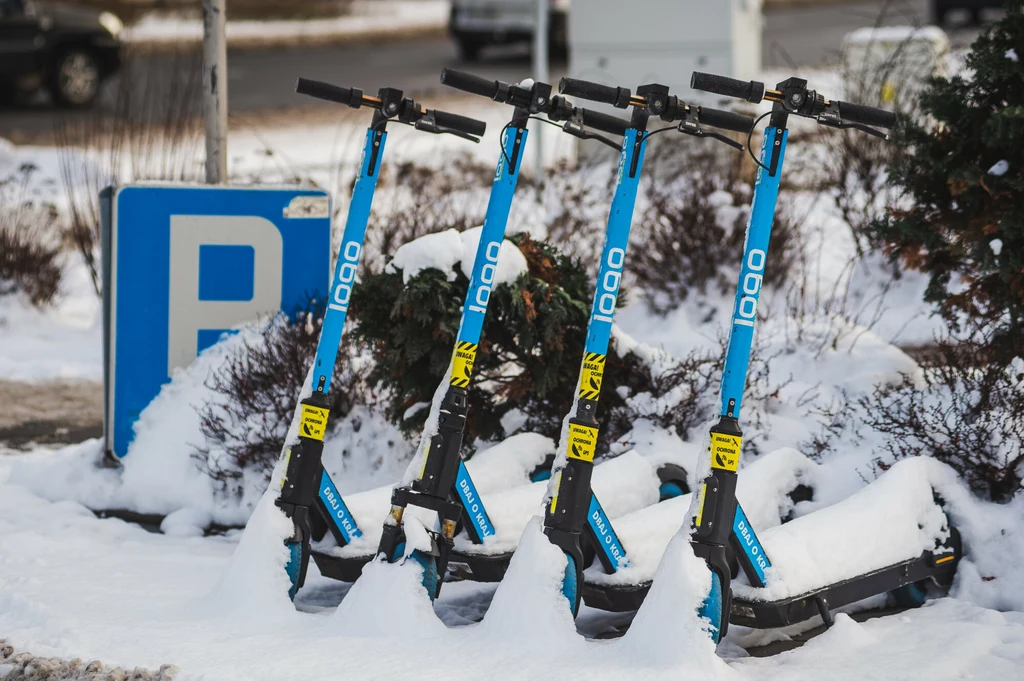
{"x": 529, "y": 602}
{"x": 443, "y": 250}
{"x": 255, "y": 580}
{"x": 389, "y": 598}
{"x": 667, "y": 631}
{"x": 891, "y": 520}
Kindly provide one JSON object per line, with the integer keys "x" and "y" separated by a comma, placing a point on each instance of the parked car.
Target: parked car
{"x": 65, "y": 49}
{"x": 940, "y": 8}
{"x": 475, "y": 24}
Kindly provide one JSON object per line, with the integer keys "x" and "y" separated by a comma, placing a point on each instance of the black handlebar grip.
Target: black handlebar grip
{"x": 749, "y": 90}
{"x": 604, "y": 122}
{"x": 470, "y": 126}
{"x": 726, "y": 120}
{"x": 595, "y": 92}
{"x": 321, "y": 90}
{"x": 866, "y": 115}
{"x": 467, "y": 82}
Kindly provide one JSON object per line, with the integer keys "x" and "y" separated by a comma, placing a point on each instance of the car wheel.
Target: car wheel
{"x": 469, "y": 50}
{"x": 75, "y": 81}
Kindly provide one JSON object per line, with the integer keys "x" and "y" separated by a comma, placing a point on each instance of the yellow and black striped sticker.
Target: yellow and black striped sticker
{"x": 314, "y": 422}
{"x": 700, "y": 504}
{"x": 582, "y": 442}
{"x": 591, "y": 375}
{"x": 462, "y": 367}
{"x": 725, "y": 451}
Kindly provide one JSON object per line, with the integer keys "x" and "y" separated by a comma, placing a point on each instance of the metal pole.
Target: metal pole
{"x": 215, "y": 90}
{"x": 540, "y": 73}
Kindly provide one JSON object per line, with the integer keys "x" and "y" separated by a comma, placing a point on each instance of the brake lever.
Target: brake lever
{"x": 427, "y": 124}
{"x": 864, "y": 128}
{"x": 577, "y": 130}
{"x": 458, "y": 133}
{"x": 700, "y": 132}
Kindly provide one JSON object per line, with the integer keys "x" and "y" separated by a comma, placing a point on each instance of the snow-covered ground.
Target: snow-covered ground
{"x": 73, "y": 585}
{"x": 365, "y": 18}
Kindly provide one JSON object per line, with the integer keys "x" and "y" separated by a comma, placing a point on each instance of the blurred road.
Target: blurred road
{"x": 263, "y": 80}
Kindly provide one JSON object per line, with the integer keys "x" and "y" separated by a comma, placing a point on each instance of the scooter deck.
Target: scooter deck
{"x": 766, "y": 491}
{"x": 781, "y": 613}
{"x": 624, "y": 484}
{"x": 889, "y": 534}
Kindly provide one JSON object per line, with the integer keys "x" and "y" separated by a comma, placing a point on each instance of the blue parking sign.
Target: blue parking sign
{"x": 184, "y": 264}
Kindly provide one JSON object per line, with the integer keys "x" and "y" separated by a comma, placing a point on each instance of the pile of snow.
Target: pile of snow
{"x": 443, "y": 250}
{"x": 366, "y": 18}
{"x": 163, "y": 471}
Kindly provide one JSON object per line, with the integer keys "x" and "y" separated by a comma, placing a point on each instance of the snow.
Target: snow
{"x": 1000, "y": 168}
{"x": 366, "y": 18}
{"x": 443, "y": 250}
{"x": 1011, "y": 54}
{"x": 844, "y": 540}
{"x": 667, "y": 630}
{"x": 996, "y": 245}
{"x": 63, "y": 342}
{"x": 75, "y": 585}
{"x": 762, "y": 490}
{"x": 896, "y": 34}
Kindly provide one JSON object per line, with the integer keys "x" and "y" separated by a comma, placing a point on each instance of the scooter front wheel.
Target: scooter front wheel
{"x": 711, "y": 608}
{"x": 430, "y": 577}
{"x": 570, "y": 584}
{"x": 294, "y": 567}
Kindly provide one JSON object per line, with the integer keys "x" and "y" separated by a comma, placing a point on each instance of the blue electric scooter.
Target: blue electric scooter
{"x": 306, "y": 486}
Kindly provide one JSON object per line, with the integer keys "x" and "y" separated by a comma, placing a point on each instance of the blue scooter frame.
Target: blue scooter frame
{"x": 305, "y": 484}
{"x": 573, "y": 505}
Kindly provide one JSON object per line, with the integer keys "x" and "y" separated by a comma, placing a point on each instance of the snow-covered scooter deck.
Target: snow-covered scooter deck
{"x": 627, "y": 483}
{"x": 769, "y": 489}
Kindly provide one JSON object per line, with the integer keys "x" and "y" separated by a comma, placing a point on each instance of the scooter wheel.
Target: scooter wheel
{"x": 711, "y": 608}
{"x": 570, "y": 584}
{"x": 669, "y": 490}
{"x": 294, "y": 567}
{"x": 910, "y": 595}
{"x": 673, "y": 482}
{"x": 426, "y": 561}
{"x": 543, "y": 471}
{"x": 540, "y": 474}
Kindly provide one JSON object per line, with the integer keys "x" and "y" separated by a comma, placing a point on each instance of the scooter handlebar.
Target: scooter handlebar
{"x": 866, "y": 115}
{"x": 328, "y": 92}
{"x": 464, "y": 124}
{"x": 604, "y": 122}
{"x": 595, "y": 92}
{"x": 749, "y": 90}
{"x": 726, "y": 120}
{"x": 467, "y": 82}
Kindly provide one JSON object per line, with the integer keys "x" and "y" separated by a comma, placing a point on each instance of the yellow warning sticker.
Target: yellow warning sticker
{"x": 462, "y": 367}
{"x": 582, "y": 442}
{"x": 287, "y": 460}
{"x": 554, "y": 497}
{"x": 725, "y": 451}
{"x": 314, "y": 422}
{"x": 591, "y": 375}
